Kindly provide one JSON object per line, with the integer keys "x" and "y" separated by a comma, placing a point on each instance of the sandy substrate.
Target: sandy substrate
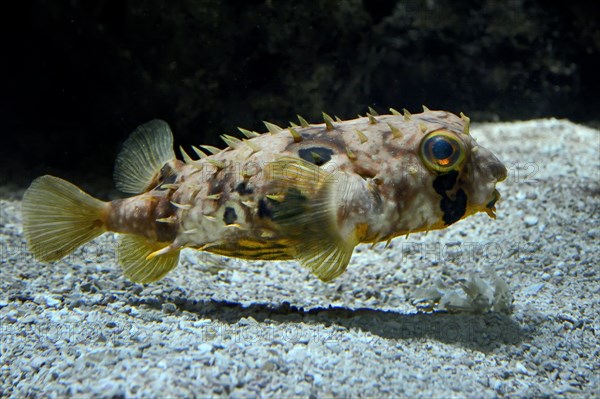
{"x": 217, "y": 327}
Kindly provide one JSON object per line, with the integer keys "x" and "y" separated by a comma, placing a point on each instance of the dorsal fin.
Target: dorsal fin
{"x": 143, "y": 154}
{"x": 308, "y": 212}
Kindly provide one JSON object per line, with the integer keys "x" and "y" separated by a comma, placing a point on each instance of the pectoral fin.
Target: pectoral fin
{"x": 326, "y": 256}
{"x": 144, "y": 261}
{"x": 308, "y": 214}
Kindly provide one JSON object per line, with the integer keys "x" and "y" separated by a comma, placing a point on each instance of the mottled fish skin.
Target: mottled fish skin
{"x": 226, "y": 209}
{"x": 364, "y": 180}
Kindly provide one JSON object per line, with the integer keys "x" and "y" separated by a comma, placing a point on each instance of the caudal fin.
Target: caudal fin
{"x": 58, "y": 217}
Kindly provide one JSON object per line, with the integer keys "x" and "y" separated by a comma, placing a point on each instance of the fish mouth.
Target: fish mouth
{"x": 490, "y": 207}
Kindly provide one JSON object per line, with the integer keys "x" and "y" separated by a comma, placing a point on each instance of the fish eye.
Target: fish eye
{"x": 442, "y": 151}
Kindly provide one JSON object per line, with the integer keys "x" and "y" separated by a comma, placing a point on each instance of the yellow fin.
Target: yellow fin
{"x": 165, "y": 250}
{"x": 294, "y": 172}
{"x": 143, "y": 154}
{"x": 58, "y": 217}
{"x": 308, "y": 214}
{"x": 326, "y": 256}
{"x": 144, "y": 261}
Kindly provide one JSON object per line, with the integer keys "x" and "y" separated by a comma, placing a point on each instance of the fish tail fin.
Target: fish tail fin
{"x": 58, "y": 217}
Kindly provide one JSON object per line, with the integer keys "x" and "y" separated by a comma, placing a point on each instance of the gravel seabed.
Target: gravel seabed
{"x": 227, "y": 328}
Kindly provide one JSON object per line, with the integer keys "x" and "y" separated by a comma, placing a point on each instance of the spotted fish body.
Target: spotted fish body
{"x": 308, "y": 192}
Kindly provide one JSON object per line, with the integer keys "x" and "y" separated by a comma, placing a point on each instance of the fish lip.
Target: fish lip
{"x": 490, "y": 207}
{"x": 491, "y": 212}
{"x": 495, "y": 197}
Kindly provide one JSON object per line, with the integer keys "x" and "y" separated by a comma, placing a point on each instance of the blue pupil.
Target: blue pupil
{"x": 441, "y": 149}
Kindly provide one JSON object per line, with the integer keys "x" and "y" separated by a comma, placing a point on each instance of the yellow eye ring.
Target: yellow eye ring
{"x": 442, "y": 151}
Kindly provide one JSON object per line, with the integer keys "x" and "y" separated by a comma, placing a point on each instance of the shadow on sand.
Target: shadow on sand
{"x": 483, "y": 332}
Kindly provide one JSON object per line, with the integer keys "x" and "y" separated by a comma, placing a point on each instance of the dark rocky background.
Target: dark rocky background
{"x": 83, "y": 74}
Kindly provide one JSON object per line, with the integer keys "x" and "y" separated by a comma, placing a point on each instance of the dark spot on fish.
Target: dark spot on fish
{"x": 316, "y": 155}
{"x": 293, "y": 205}
{"x": 445, "y": 182}
{"x": 170, "y": 179}
{"x": 167, "y": 180}
{"x": 164, "y": 209}
{"x": 165, "y": 172}
{"x": 243, "y": 189}
{"x": 216, "y": 186}
{"x": 378, "y": 208}
{"x": 264, "y": 209}
{"x": 454, "y": 208}
{"x": 492, "y": 203}
{"x": 229, "y": 217}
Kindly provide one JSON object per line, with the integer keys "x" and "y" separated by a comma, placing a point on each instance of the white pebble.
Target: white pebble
{"x": 530, "y": 220}
{"x": 236, "y": 277}
{"x": 334, "y": 347}
{"x": 521, "y": 368}
{"x": 297, "y": 353}
{"x": 204, "y": 349}
{"x": 546, "y": 277}
{"x": 534, "y": 289}
{"x": 48, "y": 301}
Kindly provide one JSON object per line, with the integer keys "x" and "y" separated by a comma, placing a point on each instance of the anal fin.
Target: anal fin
{"x": 140, "y": 259}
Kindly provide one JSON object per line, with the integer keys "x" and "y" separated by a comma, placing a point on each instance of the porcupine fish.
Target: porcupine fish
{"x": 310, "y": 192}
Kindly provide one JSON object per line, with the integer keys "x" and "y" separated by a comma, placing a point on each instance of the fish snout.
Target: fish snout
{"x": 497, "y": 170}
{"x": 490, "y": 168}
